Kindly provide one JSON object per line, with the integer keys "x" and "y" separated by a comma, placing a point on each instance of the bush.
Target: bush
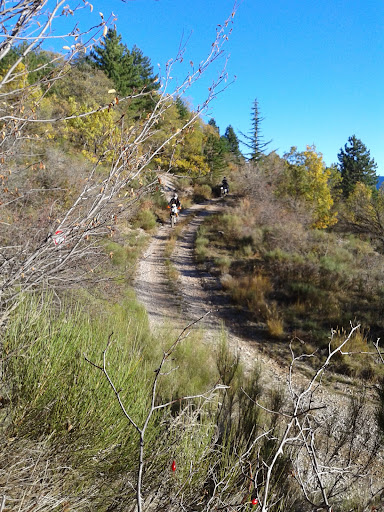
{"x": 223, "y": 263}
{"x": 251, "y": 291}
{"x": 202, "y": 192}
{"x": 145, "y": 220}
{"x": 201, "y": 250}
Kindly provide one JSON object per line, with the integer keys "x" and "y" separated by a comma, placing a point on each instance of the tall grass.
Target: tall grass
{"x": 54, "y": 393}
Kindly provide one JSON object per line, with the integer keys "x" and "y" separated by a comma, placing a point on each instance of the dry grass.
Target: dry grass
{"x": 250, "y": 291}
{"x": 202, "y": 192}
{"x": 275, "y": 324}
{"x": 353, "y": 359}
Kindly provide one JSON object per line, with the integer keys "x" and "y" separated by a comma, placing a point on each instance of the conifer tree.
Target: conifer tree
{"x": 214, "y": 152}
{"x": 182, "y": 109}
{"x": 212, "y": 123}
{"x": 232, "y": 141}
{"x": 128, "y": 70}
{"x": 145, "y": 70}
{"x": 356, "y": 165}
{"x": 255, "y": 141}
{"x": 111, "y": 58}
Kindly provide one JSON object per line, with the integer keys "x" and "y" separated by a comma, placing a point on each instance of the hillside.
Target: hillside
{"x": 230, "y": 363}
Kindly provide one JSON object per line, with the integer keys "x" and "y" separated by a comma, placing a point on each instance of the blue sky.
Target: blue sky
{"x": 316, "y": 68}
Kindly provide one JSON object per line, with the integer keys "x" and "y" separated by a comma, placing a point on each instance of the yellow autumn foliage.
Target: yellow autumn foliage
{"x": 95, "y": 132}
{"x": 306, "y": 178}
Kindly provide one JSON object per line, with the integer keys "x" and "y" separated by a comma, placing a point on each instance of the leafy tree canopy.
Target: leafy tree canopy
{"x": 363, "y": 213}
{"x": 306, "y": 178}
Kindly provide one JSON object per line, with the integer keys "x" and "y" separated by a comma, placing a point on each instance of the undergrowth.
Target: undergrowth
{"x": 55, "y": 394}
{"x": 295, "y": 280}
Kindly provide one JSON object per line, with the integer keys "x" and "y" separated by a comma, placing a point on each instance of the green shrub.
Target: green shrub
{"x": 231, "y": 226}
{"x": 201, "y": 250}
{"x": 223, "y": 263}
{"x": 202, "y": 192}
{"x": 201, "y": 254}
{"x": 145, "y": 220}
{"x": 201, "y": 241}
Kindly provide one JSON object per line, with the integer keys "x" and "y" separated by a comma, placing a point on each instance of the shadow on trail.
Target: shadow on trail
{"x": 202, "y": 291}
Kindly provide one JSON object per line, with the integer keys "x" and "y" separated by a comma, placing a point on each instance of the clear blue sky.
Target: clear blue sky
{"x": 316, "y": 68}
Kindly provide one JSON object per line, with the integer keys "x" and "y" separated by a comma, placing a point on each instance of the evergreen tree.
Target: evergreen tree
{"x": 255, "y": 141}
{"x": 182, "y": 108}
{"x": 212, "y": 123}
{"x": 128, "y": 70}
{"x": 110, "y": 57}
{"x": 214, "y": 152}
{"x": 356, "y": 166}
{"x": 232, "y": 141}
{"x": 148, "y": 81}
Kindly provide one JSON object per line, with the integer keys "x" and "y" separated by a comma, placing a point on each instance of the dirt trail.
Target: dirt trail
{"x": 197, "y": 293}
{"x": 191, "y": 301}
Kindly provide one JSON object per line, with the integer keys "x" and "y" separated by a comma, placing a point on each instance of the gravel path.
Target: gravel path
{"x": 198, "y": 293}
{"x": 193, "y": 299}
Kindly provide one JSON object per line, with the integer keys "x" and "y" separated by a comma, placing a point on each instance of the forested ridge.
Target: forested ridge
{"x": 97, "y": 410}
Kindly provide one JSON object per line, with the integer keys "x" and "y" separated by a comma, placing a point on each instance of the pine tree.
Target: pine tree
{"x": 212, "y": 123}
{"x": 129, "y": 70}
{"x": 182, "y": 108}
{"x": 356, "y": 166}
{"x": 255, "y": 141}
{"x": 214, "y": 152}
{"x": 110, "y": 57}
{"x": 148, "y": 81}
{"x": 232, "y": 141}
